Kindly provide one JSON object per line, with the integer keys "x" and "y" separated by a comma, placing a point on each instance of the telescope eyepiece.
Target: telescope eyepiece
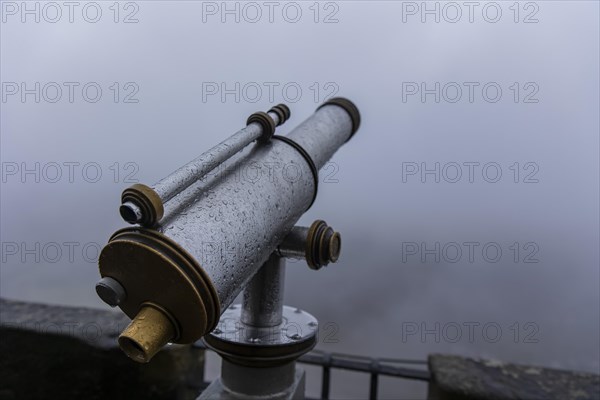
{"x": 130, "y": 212}
{"x": 149, "y": 331}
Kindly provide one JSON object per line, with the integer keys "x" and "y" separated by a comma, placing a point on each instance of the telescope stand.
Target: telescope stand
{"x": 261, "y": 339}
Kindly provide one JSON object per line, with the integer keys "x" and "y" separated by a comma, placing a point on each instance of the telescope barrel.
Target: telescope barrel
{"x": 260, "y": 126}
{"x": 327, "y": 130}
{"x": 218, "y": 232}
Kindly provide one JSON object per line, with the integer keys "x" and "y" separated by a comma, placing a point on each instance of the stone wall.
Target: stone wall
{"x": 55, "y": 352}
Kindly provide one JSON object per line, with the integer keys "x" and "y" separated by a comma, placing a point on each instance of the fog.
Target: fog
{"x": 468, "y": 201}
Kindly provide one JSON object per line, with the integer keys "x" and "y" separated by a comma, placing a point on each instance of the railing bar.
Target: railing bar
{"x": 373, "y": 386}
{"x": 311, "y": 357}
{"x": 362, "y": 367}
{"x": 386, "y": 360}
{"x": 326, "y": 378}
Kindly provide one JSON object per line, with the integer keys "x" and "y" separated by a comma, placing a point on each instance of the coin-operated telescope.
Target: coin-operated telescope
{"x": 210, "y": 230}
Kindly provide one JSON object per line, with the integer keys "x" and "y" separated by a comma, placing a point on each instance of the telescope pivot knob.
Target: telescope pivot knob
{"x": 318, "y": 244}
{"x": 323, "y": 245}
{"x": 282, "y": 111}
{"x": 110, "y": 291}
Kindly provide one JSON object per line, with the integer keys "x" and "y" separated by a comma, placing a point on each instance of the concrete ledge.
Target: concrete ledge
{"x": 461, "y": 378}
{"x": 49, "y": 352}
{"x": 72, "y": 353}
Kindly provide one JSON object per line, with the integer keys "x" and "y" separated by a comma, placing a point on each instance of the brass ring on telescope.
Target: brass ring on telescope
{"x": 349, "y": 107}
{"x": 312, "y": 240}
{"x": 282, "y": 111}
{"x": 267, "y": 123}
{"x": 148, "y": 200}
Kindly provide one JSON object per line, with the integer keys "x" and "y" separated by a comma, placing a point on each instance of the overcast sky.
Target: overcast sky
{"x": 479, "y": 135}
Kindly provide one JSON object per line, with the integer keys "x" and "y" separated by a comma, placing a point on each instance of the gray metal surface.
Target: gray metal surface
{"x": 263, "y": 296}
{"x": 257, "y": 381}
{"x": 323, "y": 133}
{"x": 187, "y": 174}
{"x": 239, "y": 382}
{"x": 294, "y": 244}
{"x": 297, "y": 326}
{"x": 183, "y": 177}
{"x": 257, "y": 345}
{"x": 232, "y": 220}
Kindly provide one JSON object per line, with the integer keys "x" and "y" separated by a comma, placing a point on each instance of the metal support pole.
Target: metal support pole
{"x": 263, "y": 297}
{"x": 259, "y": 353}
{"x": 261, "y": 340}
{"x": 294, "y": 244}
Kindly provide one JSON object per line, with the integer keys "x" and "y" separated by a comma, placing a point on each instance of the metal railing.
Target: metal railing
{"x": 375, "y": 367}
